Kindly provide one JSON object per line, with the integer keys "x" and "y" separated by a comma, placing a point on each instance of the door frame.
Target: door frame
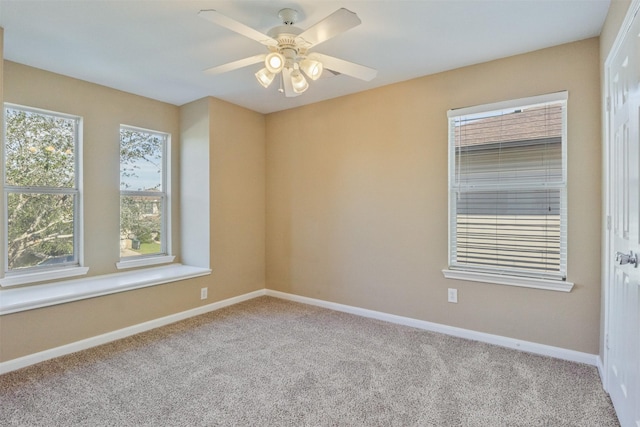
{"x": 607, "y": 235}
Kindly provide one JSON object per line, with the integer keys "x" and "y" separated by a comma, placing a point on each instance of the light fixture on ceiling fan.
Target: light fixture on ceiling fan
{"x": 289, "y": 46}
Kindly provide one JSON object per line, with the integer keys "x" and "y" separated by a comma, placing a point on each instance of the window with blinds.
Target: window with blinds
{"x": 507, "y": 188}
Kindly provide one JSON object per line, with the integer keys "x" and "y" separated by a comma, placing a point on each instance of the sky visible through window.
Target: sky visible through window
{"x": 148, "y": 176}
{"x": 141, "y": 160}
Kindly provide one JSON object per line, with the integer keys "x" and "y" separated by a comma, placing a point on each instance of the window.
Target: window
{"x": 144, "y": 225}
{"x": 507, "y": 188}
{"x": 42, "y": 199}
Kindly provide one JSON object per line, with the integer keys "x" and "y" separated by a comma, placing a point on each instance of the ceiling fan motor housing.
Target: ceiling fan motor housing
{"x": 288, "y": 44}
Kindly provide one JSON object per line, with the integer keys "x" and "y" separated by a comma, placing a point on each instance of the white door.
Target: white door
{"x": 623, "y": 302}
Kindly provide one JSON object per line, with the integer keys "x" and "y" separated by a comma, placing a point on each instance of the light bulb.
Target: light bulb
{"x": 274, "y": 62}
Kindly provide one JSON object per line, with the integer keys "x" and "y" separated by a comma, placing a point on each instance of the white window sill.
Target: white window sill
{"x": 144, "y": 261}
{"x": 41, "y": 276}
{"x": 549, "y": 285}
{"x": 37, "y": 296}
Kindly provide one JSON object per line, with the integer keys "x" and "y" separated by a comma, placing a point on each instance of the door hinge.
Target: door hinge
{"x": 608, "y": 103}
{"x": 609, "y": 222}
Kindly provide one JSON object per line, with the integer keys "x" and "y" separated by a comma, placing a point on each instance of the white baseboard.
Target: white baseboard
{"x": 602, "y": 372}
{"x": 22, "y": 362}
{"x": 530, "y": 347}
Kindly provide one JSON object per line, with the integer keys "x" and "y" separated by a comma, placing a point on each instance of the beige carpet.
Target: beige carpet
{"x": 269, "y": 362}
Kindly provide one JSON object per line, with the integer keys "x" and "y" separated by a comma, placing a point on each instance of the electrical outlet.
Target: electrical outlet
{"x": 452, "y": 295}
{"x": 203, "y": 293}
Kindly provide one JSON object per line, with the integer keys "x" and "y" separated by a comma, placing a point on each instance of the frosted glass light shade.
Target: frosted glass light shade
{"x": 298, "y": 82}
{"x": 265, "y": 77}
{"x": 312, "y": 68}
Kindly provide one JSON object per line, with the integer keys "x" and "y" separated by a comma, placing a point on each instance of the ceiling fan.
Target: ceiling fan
{"x": 288, "y": 50}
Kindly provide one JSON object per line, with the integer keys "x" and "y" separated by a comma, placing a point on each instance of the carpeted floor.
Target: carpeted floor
{"x": 269, "y": 362}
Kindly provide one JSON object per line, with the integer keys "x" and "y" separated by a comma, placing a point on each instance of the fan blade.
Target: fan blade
{"x": 338, "y": 22}
{"x": 238, "y": 27}
{"x": 235, "y": 64}
{"x": 327, "y": 74}
{"x": 288, "y": 87}
{"x": 345, "y": 67}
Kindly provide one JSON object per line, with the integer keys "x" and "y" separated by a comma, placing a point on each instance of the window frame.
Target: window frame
{"x": 165, "y": 254}
{"x": 498, "y": 275}
{"x": 63, "y": 270}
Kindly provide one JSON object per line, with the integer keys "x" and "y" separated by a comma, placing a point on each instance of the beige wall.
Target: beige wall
{"x": 237, "y": 196}
{"x": 237, "y": 153}
{"x": 357, "y": 200}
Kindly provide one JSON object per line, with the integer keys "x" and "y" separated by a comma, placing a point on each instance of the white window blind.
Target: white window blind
{"x": 508, "y": 188}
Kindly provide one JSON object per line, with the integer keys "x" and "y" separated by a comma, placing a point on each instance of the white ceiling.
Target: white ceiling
{"x": 158, "y": 48}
